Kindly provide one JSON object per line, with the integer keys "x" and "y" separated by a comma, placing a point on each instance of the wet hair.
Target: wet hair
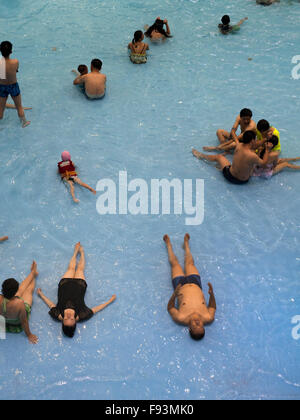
{"x": 97, "y": 64}
{"x": 10, "y": 288}
{"x": 197, "y": 337}
{"x": 274, "y": 140}
{"x": 159, "y": 27}
{"x": 69, "y": 331}
{"x": 82, "y": 68}
{"x": 248, "y": 137}
{"x": 263, "y": 125}
{"x": 6, "y": 48}
{"x": 225, "y": 20}
{"x": 246, "y": 113}
{"x": 137, "y": 36}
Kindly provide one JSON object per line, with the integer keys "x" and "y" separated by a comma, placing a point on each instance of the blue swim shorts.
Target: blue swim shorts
{"x": 193, "y": 279}
{"x": 12, "y": 90}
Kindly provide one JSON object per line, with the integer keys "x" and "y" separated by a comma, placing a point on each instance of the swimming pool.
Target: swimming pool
{"x": 152, "y": 116}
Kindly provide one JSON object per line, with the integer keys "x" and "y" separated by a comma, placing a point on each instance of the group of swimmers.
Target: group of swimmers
{"x": 256, "y": 150}
{"x": 256, "y": 153}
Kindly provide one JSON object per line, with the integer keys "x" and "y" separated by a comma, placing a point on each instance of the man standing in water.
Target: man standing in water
{"x": 192, "y": 310}
{"x": 8, "y": 82}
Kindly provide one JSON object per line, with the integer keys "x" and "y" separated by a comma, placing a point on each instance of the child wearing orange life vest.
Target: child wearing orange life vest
{"x": 68, "y": 173}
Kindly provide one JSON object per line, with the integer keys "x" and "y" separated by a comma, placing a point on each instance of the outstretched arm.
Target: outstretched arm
{"x": 48, "y": 302}
{"x": 4, "y": 238}
{"x": 104, "y": 305}
{"x": 242, "y": 21}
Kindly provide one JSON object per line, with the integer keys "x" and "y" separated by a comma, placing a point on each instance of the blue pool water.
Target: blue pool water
{"x": 151, "y": 117}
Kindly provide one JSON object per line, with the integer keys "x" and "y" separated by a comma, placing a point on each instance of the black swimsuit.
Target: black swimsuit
{"x": 228, "y": 175}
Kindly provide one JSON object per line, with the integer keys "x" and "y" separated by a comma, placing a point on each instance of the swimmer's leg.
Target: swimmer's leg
{"x": 2, "y": 106}
{"x": 175, "y": 266}
{"x": 11, "y": 106}
{"x": 72, "y": 190}
{"x": 288, "y": 160}
{"x": 281, "y": 166}
{"x": 4, "y": 238}
{"x": 70, "y": 273}
{"x": 219, "y": 159}
{"x": 18, "y": 103}
{"x": 190, "y": 268}
{"x": 81, "y": 266}
{"x": 82, "y": 184}
{"x": 225, "y": 147}
{"x": 27, "y": 286}
{"x": 223, "y": 136}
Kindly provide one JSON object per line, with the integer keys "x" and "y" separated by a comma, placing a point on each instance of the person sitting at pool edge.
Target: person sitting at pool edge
{"x": 94, "y": 82}
{"x": 244, "y": 159}
{"x": 192, "y": 310}
{"x": 138, "y": 49}
{"x": 9, "y": 85}
{"x": 156, "y": 32}
{"x": 243, "y": 121}
{"x": 226, "y": 28}
{"x": 16, "y": 303}
{"x": 4, "y": 238}
{"x": 69, "y": 175}
{"x": 71, "y": 307}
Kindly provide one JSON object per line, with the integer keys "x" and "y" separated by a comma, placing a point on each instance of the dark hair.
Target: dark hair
{"x": 248, "y": 137}
{"x": 197, "y": 337}
{"x": 274, "y": 140}
{"x": 137, "y": 36}
{"x": 159, "y": 27}
{"x": 96, "y": 63}
{"x": 225, "y": 20}
{"x": 82, "y": 68}
{"x": 69, "y": 331}
{"x": 263, "y": 125}
{"x": 246, "y": 113}
{"x": 10, "y": 288}
{"x": 6, "y": 48}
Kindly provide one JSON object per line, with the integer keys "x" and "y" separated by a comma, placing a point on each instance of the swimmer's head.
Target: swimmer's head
{"x": 225, "y": 20}
{"x": 83, "y": 69}
{"x": 248, "y": 137}
{"x": 6, "y": 48}
{"x": 246, "y": 115}
{"x": 96, "y": 64}
{"x": 10, "y": 288}
{"x": 138, "y": 36}
{"x": 263, "y": 126}
{"x": 69, "y": 323}
{"x": 69, "y": 330}
{"x": 273, "y": 142}
{"x": 196, "y": 328}
{"x": 65, "y": 156}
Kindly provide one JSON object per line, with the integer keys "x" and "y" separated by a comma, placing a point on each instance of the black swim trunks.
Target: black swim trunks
{"x": 228, "y": 175}
{"x": 193, "y": 279}
{"x": 12, "y": 90}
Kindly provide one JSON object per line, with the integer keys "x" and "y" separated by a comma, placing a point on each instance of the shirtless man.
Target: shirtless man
{"x": 192, "y": 310}
{"x": 16, "y": 303}
{"x": 4, "y": 238}
{"x": 94, "y": 82}
{"x": 244, "y": 159}
{"x": 243, "y": 121}
{"x": 9, "y": 85}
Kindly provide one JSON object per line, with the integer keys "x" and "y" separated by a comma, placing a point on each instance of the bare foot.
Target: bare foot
{"x": 26, "y": 124}
{"x": 34, "y": 269}
{"x": 77, "y": 248}
{"x": 93, "y": 191}
{"x": 187, "y": 237}
{"x": 76, "y": 200}
{"x": 166, "y": 238}
{"x": 198, "y": 155}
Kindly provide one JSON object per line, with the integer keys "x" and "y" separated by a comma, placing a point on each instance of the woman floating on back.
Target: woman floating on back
{"x": 138, "y": 49}
{"x": 156, "y": 32}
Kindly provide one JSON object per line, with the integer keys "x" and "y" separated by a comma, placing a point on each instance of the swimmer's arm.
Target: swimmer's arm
{"x": 48, "y": 302}
{"x": 4, "y": 238}
{"x": 212, "y": 305}
{"x": 235, "y": 126}
{"x": 167, "y": 26}
{"x": 25, "y": 325}
{"x": 79, "y": 80}
{"x": 104, "y": 305}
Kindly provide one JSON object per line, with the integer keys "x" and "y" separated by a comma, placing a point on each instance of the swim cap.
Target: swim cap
{"x": 65, "y": 156}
